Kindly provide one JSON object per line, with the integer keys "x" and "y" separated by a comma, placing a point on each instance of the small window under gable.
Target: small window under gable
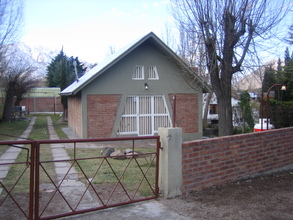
{"x": 153, "y": 73}
{"x": 138, "y": 73}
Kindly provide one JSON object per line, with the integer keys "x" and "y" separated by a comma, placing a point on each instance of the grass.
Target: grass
{"x": 59, "y": 125}
{"x": 130, "y": 179}
{"x": 39, "y": 132}
{"x": 127, "y": 170}
{"x": 11, "y": 131}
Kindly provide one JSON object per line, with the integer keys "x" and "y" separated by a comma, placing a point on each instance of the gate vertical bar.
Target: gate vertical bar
{"x": 157, "y": 167}
{"x": 37, "y": 179}
{"x": 32, "y": 174}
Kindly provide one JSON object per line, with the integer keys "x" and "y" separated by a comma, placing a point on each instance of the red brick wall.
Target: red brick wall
{"x": 42, "y": 104}
{"x": 186, "y": 112}
{"x": 75, "y": 114}
{"x": 215, "y": 161}
{"x": 101, "y": 114}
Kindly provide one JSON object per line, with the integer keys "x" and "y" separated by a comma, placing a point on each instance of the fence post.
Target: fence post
{"x": 170, "y": 167}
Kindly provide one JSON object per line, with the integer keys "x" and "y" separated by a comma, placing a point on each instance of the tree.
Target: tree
{"x": 269, "y": 78}
{"x": 281, "y": 106}
{"x": 229, "y": 29}
{"x": 61, "y": 73}
{"x": 290, "y": 35}
{"x": 285, "y": 76}
{"x": 17, "y": 78}
{"x": 11, "y": 12}
{"x": 246, "y": 109}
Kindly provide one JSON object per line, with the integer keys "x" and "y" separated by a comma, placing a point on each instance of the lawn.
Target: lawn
{"x": 98, "y": 170}
{"x": 107, "y": 171}
{"x": 19, "y": 172}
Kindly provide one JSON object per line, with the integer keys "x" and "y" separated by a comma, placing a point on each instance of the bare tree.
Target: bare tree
{"x": 289, "y": 39}
{"x": 11, "y": 20}
{"x": 230, "y": 29}
{"x": 17, "y": 78}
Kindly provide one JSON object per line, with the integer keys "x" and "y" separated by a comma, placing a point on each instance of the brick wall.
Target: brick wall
{"x": 101, "y": 114}
{"x": 215, "y": 161}
{"x": 186, "y": 112}
{"x": 42, "y": 104}
{"x": 75, "y": 114}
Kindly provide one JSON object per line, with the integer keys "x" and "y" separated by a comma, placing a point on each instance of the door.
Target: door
{"x": 143, "y": 115}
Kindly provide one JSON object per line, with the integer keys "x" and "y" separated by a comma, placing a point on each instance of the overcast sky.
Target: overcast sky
{"x": 87, "y": 28}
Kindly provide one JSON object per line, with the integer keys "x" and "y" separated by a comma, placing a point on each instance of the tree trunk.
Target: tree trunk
{"x": 17, "y": 101}
{"x": 8, "y": 102}
{"x": 225, "y": 115}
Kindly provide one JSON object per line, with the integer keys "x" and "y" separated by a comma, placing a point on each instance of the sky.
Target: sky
{"x": 88, "y": 28}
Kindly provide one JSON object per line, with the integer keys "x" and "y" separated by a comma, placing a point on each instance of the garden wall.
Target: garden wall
{"x": 215, "y": 161}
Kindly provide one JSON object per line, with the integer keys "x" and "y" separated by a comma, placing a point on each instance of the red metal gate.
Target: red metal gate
{"x": 68, "y": 177}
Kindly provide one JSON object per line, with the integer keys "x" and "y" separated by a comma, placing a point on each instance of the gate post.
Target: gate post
{"x": 170, "y": 167}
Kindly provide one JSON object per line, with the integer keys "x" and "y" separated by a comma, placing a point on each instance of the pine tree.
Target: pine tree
{"x": 246, "y": 109}
{"x": 285, "y": 76}
{"x": 61, "y": 73}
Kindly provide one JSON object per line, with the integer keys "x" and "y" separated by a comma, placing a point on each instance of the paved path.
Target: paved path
{"x": 70, "y": 187}
{"x": 12, "y": 153}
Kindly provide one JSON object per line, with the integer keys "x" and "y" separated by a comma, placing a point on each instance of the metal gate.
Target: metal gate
{"x": 68, "y": 177}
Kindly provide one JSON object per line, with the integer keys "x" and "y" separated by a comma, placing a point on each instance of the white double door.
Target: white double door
{"x": 143, "y": 115}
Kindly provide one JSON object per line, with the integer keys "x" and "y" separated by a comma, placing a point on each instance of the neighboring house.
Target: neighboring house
{"x": 212, "y": 112}
{"x": 131, "y": 94}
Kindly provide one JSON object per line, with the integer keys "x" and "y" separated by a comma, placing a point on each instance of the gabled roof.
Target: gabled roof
{"x": 76, "y": 86}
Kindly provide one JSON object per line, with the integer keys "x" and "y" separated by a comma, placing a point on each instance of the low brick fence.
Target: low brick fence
{"x": 215, "y": 161}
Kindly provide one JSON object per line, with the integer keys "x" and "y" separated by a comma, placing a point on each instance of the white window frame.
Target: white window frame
{"x": 136, "y": 117}
{"x": 153, "y": 73}
{"x": 138, "y": 73}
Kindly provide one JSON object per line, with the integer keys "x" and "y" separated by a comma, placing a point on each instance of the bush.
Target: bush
{"x": 281, "y": 113}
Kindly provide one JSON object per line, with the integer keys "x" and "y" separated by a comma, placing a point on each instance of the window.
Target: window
{"x": 153, "y": 73}
{"x": 213, "y": 109}
{"x": 138, "y": 73}
{"x": 143, "y": 115}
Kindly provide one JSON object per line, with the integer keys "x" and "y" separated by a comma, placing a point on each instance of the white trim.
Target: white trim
{"x": 153, "y": 73}
{"x": 144, "y": 114}
{"x": 138, "y": 73}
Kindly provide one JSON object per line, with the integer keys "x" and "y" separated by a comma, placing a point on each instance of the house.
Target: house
{"x": 131, "y": 94}
{"x": 212, "y": 109}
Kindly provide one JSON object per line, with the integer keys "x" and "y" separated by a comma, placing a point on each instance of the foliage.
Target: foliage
{"x": 246, "y": 109}
{"x": 281, "y": 113}
{"x": 285, "y": 76}
{"x": 269, "y": 78}
{"x": 239, "y": 130}
{"x": 10, "y": 74}
{"x": 280, "y": 108}
{"x": 61, "y": 72}
{"x": 16, "y": 77}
